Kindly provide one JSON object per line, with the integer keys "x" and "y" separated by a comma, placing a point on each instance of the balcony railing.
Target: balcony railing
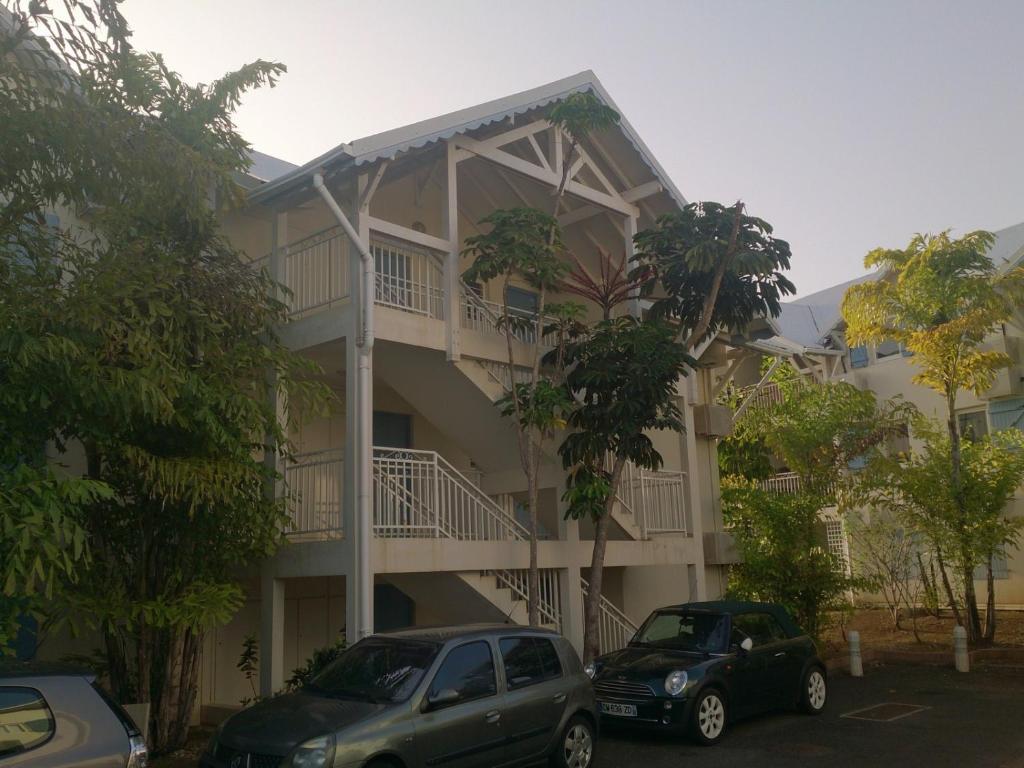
{"x": 784, "y": 482}
{"x": 409, "y": 278}
{"x": 550, "y": 603}
{"x": 487, "y": 317}
{"x": 416, "y": 494}
{"x": 657, "y": 500}
{"x": 614, "y": 628}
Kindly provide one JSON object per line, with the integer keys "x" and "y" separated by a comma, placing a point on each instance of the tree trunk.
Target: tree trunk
{"x": 971, "y": 614}
{"x": 990, "y": 605}
{"x": 953, "y": 606}
{"x": 592, "y": 609}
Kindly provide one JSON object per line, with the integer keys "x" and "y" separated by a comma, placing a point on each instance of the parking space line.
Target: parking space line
{"x": 909, "y": 709}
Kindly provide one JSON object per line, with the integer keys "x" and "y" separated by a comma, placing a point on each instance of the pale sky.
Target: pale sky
{"x": 847, "y": 125}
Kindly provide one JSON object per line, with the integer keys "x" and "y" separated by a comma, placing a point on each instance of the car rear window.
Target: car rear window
{"x": 529, "y": 660}
{"x": 26, "y": 721}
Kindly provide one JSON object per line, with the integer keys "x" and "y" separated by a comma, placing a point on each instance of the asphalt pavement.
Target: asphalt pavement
{"x": 937, "y": 717}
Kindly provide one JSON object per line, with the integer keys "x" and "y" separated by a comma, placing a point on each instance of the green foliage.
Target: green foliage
{"x": 580, "y": 114}
{"x": 521, "y": 241}
{"x": 622, "y": 374}
{"x": 249, "y": 665}
{"x": 135, "y": 334}
{"x": 687, "y": 254}
{"x": 542, "y": 406}
{"x": 940, "y": 297}
{"x": 783, "y": 558}
{"x": 315, "y": 664}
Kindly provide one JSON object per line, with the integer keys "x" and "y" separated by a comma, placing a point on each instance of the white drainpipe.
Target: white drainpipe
{"x": 364, "y": 467}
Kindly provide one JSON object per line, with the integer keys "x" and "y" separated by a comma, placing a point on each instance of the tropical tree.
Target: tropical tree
{"x": 941, "y": 297}
{"x": 918, "y": 490}
{"x": 622, "y": 374}
{"x": 527, "y": 243}
{"x": 136, "y": 340}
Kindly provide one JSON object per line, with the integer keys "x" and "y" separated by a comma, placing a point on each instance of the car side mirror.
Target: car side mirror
{"x": 443, "y": 698}
{"x": 746, "y": 645}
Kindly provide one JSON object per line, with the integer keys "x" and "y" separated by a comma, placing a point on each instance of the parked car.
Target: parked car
{"x": 466, "y": 697}
{"x": 700, "y": 666}
{"x": 51, "y": 717}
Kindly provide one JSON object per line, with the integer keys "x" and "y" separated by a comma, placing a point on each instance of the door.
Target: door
{"x": 392, "y": 430}
{"x": 536, "y": 694}
{"x": 469, "y": 731}
{"x": 768, "y": 660}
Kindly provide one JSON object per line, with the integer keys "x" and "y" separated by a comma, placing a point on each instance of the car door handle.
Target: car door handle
{"x": 559, "y": 698}
{"x": 780, "y": 653}
{"x": 493, "y": 716}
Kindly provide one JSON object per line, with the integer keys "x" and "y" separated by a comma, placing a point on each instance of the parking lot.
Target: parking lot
{"x": 953, "y": 720}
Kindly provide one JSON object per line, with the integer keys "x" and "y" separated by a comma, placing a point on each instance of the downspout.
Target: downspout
{"x": 364, "y": 500}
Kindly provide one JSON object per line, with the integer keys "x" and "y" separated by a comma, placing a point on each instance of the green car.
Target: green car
{"x": 476, "y": 696}
{"x": 700, "y": 666}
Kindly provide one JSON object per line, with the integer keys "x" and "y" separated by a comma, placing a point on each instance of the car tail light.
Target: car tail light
{"x": 138, "y": 757}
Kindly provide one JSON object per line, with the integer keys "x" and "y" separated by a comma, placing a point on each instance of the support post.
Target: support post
{"x": 856, "y": 662}
{"x": 570, "y": 588}
{"x": 271, "y": 634}
{"x": 694, "y": 515}
{"x": 630, "y": 251}
{"x": 452, "y": 292}
{"x": 961, "y": 657}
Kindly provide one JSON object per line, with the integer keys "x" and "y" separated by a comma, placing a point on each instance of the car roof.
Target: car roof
{"x": 11, "y": 668}
{"x": 742, "y": 606}
{"x": 457, "y": 632}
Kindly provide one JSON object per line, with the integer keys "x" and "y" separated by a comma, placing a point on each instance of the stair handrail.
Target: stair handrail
{"x": 513, "y": 582}
{"x": 614, "y": 615}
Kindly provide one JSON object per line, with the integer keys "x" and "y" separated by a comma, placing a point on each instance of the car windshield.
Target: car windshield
{"x": 697, "y": 632}
{"x": 377, "y": 669}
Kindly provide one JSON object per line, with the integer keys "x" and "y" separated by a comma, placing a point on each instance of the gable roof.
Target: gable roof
{"x": 267, "y": 167}
{"x": 390, "y": 143}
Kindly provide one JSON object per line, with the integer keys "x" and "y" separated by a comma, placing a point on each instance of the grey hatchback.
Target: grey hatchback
{"x": 51, "y": 717}
{"x": 477, "y": 696}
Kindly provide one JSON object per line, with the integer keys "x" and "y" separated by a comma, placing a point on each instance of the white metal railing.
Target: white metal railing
{"x": 657, "y": 500}
{"x": 409, "y": 278}
{"x": 784, "y": 482}
{"x": 419, "y": 494}
{"x": 484, "y": 316}
{"x": 550, "y": 603}
{"x": 314, "y": 483}
{"x": 614, "y": 628}
{"x": 315, "y": 270}
{"x": 768, "y": 393}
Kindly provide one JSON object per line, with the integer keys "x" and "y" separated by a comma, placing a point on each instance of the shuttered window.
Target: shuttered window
{"x": 1006, "y": 414}
{"x": 858, "y": 356}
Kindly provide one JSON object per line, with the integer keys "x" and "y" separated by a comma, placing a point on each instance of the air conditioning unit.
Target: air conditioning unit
{"x": 711, "y": 420}
{"x": 720, "y": 549}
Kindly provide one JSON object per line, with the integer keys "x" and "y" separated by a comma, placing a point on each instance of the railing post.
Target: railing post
{"x": 436, "y": 496}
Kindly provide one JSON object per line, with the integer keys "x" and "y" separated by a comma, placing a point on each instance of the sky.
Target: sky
{"x": 846, "y": 125}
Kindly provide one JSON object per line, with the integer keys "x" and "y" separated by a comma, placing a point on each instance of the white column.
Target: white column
{"x": 695, "y": 474}
{"x": 630, "y": 251}
{"x": 358, "y": 464}
{"x": 452, "y": 293}
{"x": 271, "y": 633}
{"x": 570, "y": 589}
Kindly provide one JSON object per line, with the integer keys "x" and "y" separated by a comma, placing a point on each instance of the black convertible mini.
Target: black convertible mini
{"x": 703, "y": 665}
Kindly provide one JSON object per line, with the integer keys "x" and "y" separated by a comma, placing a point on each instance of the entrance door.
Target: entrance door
{"x": 392, "y": 430}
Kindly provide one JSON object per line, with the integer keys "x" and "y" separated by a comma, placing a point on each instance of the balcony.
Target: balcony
{"x": 416, "y": 495}
{"x": 656, "y": 502}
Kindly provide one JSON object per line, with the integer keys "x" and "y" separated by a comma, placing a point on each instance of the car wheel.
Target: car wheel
{"x": 576, "y": 747}
{"x": 814, "y": 692}
{"x": 709, "y": 717}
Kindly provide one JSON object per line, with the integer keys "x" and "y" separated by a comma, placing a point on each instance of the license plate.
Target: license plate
{"x": 619, "y": 710}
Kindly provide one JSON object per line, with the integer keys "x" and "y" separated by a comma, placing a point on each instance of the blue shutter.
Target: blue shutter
{"x": 858, "y": 356}
{"x": 1006, "y": 414}
{"x": 1000, "y": 569}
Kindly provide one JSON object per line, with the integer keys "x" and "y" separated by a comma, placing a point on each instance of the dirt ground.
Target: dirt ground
{"x": 188, "y": 757}
{"x": 876, "y": 631}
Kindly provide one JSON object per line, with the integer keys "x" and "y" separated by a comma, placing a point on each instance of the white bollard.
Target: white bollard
{"x": 856, "y": 665}
{"x": 960, "y": 656}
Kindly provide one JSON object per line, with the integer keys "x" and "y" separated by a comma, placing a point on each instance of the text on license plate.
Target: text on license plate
{"x": 620, "y": 710}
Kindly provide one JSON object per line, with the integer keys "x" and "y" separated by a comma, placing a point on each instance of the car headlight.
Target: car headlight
{"x": 675, "y": 682}
{"x": 590, "y": 669}
{"x": 315, "y": 753}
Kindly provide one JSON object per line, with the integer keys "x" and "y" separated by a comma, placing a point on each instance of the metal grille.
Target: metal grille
{"x": 248, "y": 759}
{"x": 408, "y": 278}
{"x": 623, "y": 689}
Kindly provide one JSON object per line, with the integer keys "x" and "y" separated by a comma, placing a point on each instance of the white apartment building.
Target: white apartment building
{"x": 409, "y": 507}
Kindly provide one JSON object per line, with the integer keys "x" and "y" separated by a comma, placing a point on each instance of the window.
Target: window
{"x": 523, "y": 301}
{"x": 973, "y": 425}
{"x": 469, "y": 671}
{"x": 25, "y": 720}
{"x": 377, "y": 669}
{"x": 762, "y": 628}
{"x": 887, "y": 348}
{"x": 858, "y": 356}
{"x": 1007, "y": 413}
{"x": 701, "y": 632}
{"x": 528, "y": 660}
{"x": 1000, "y": 569}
